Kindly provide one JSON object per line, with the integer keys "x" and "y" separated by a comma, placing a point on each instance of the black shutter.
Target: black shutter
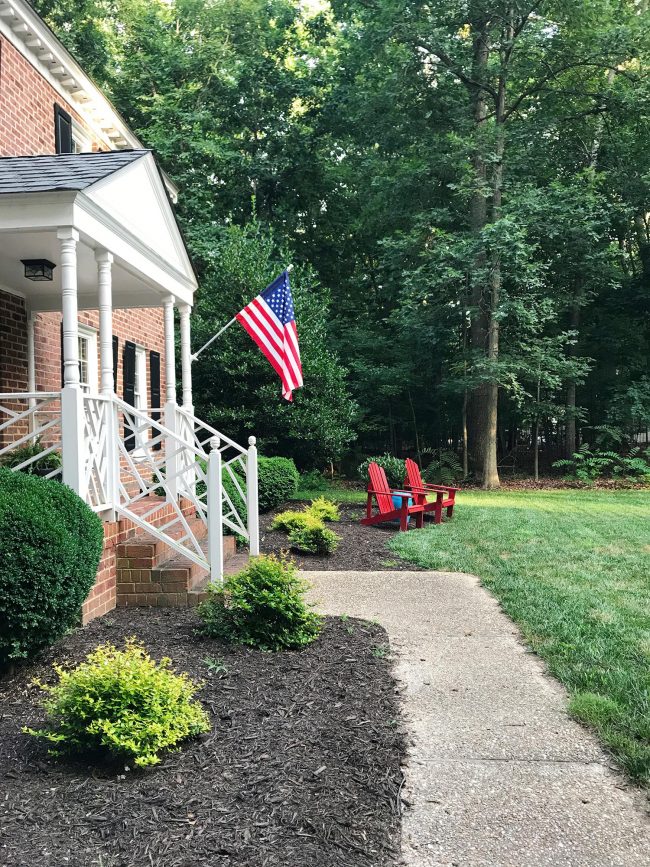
{"x": 62, "y": 373}
{"x": 154, "y": 377}
{"x": 115, "y": 348}
{"x": 62, "y": 130}
{"x": 128, "y": 389}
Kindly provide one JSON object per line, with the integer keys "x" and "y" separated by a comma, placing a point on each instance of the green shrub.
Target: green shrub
{"x": 262, "y": 606}
{"x": 278, "y": 481}
{"x": 324, "y": 510}
{"x": 314, "y": 540}
{"x": 16, "y": 457}
{"x": 394, "y": 468}
{"x": 121, "y": 702}
{"x": 50, "y": 545}
{"x": 312, "y": 480}
{"x": 291, "y": 520}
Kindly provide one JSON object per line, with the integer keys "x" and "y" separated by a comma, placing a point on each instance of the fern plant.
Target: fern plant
{"x": 444, "y": 469}
{"x": 587, "y": 465}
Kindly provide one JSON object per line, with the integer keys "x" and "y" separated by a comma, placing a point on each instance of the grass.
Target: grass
{"x": 572, "y": 569}
{"x": 332, "y": 492}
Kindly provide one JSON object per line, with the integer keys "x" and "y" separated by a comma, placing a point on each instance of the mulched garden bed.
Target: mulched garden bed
{"x": 302, "y": 767}
{"x": 361, "y": 548}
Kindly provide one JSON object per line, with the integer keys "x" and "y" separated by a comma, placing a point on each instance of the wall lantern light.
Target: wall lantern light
{"x": 38, "y": 269}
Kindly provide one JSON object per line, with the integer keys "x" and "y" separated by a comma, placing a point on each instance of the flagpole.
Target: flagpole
{"x": 195, "y": 355}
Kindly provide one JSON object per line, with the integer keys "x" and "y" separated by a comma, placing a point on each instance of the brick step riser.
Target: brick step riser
{"x": 143, "y": 547}
{"x": 171, "y": 584}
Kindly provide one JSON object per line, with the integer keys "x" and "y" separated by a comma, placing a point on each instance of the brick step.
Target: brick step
{"x": 175, "y": 582}
{"x": 144, "y": 551}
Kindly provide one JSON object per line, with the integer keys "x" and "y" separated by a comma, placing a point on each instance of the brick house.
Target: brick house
{"x": 93, "y": 275}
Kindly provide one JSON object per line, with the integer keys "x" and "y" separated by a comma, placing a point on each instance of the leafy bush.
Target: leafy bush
{"x": 588, "y": 465}
{"x": 278, "y": 481}
{"x": 314, "y": 540}
{"x": 262, "y": 606}
{"x": 444, "y": 469}
{"x": 15, "y": 458}
{"x": 50, "y": 545}
{"x": 292, "y": 520}
{"x": 324, "y": 510}
{"x": 121, "y": 702}
{"x": 312, "y": 480}
{"x": 393, "y": 467}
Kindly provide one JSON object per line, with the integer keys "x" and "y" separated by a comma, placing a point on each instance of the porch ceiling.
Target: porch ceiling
{"x": 124, "y": 211}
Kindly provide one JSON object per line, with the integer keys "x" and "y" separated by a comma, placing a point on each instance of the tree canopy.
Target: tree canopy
{"x": 463, "y": 186}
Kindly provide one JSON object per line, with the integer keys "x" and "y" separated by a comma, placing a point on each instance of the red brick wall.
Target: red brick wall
{"x": 143, "y": 326}
{"x": 13, "y": 343}
{"x": 27, "y": 108}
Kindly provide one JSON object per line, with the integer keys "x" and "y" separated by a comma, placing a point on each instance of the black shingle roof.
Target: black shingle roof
{"x": 43, "y": 174}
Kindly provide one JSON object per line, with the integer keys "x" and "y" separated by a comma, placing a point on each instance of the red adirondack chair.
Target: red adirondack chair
{"x": 379, "y": 491}
{"x": 445, "y": 496}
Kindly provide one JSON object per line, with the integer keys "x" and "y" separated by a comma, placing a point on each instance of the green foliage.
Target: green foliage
{"x": 123, "y": 703}
{"x": 50, "y": 545}
{"x": 262, "y": 606}
{"x": 313, "y": 480}
{"x": 394, "y": 468}
{"x": 588, "y": 465}
{"x": 314, "y": 539}
{"x": 278, "y": 480}
{"x": 444, "y": 468}
{"x": 50, "y": 461}
{"x": 324, "y": 509}
{"x": 292, "y": 520}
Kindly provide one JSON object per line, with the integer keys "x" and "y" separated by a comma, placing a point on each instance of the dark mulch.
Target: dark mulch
{"x": 301, "y": 768}
{"x": 361, "y": 548}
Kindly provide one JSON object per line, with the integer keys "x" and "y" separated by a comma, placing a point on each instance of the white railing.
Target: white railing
{"x": 239, "y": 468}
{"x": 99, "y": 456}
{"x": 127, "y": 459}
{"x": 31, "y": 419}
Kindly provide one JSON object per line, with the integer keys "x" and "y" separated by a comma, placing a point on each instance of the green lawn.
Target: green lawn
{"x": 572, "y": 569}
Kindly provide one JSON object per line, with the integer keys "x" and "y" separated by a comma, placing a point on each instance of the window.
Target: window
{"x": 88, "y": 359}
{"x": 140, "y": 390}
{"x": 80, "y": 142}
{"x": 62, "y": 131}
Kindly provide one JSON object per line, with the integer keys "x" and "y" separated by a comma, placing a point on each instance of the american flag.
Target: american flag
{"x": 270, "y": 321}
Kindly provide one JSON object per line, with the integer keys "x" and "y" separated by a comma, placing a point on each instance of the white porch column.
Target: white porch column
{"x": 72, "y": 409}
{"x": 186, "y": 357}
{"x": 252, "y": 505}
{"x": 104, "y": 261}
{"x": 31, "y": 367}
{"x": 172, "y": 452}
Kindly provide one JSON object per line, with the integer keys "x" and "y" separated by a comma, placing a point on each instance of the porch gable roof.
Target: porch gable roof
{"x": 54, "y": 172}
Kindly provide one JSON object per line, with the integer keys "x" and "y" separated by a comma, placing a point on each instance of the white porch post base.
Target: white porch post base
{"x": 252, "y": 499}
{"x": 215, "y": 512}
{"x": 72, "y": 439}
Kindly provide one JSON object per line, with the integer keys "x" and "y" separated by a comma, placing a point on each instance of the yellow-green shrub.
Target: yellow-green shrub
{"x": 324, "y": 510}
{"x": 121, "y": 702}
{"x": 292, "y": 520}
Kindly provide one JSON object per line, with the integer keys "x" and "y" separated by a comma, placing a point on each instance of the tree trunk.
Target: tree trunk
{"x": 570, "y": 425}
{"x": 536, "y": 431}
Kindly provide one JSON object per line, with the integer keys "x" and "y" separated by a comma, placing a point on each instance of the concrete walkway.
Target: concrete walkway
{"x": 498, "y": 773}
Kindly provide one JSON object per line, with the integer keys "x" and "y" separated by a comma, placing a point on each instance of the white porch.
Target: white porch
{"x": 105, "y": 223}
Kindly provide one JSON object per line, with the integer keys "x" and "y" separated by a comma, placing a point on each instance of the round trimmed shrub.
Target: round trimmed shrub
{"x": 395, "y": 469}
{"x": 121, "y": 702}
{"x": 291, "y": 520}
{"x": 278, "y": 481}
{"x": 314, "y": 540}
{"x": 50, "y": 546}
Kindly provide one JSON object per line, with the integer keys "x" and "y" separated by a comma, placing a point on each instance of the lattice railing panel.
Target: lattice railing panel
{"x": 98, "y": 453}
{"x": 31, "y": 419}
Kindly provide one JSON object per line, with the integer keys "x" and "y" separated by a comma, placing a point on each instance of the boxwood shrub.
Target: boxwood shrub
{"x": 395, "y": 469}
{"x": 278, "y": 481}
{"x": 262, "y": 606}
{"x": 50, "y": 545}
